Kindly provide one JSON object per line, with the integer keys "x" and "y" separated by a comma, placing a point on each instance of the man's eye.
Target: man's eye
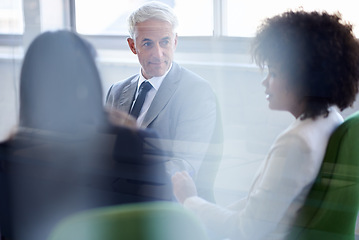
{"x": 147, "y": 44}
{"x": 164, "y": 43}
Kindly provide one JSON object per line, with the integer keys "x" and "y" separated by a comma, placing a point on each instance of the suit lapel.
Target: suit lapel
{"x": 164, "y": 94}
{"x": 127, "y": 95}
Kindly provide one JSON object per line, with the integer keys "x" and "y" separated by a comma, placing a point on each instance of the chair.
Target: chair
{"x": 331, "y": 208}
{"x": 138, "y": 221}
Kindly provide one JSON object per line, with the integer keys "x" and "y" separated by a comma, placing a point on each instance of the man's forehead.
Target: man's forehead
{"x": 151, "y": 34}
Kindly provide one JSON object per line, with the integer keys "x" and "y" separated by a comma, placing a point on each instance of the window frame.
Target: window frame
{"x": 11, "y": 40}
{"x": 215, "y": 43}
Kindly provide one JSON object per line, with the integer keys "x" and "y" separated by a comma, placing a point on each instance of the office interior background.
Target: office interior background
{"x": 214, "y": 42}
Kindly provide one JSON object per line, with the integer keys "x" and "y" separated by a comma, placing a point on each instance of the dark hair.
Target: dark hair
{"x": 60, "y": 86}
{"x": 318, "y": 53}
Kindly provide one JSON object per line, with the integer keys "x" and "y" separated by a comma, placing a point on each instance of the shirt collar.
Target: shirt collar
{"x": 155, "y": 81}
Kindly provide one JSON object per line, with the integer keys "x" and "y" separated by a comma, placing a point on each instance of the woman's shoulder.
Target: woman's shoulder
{"x": 321, "y": 126}
{"x": 310, "y": 135}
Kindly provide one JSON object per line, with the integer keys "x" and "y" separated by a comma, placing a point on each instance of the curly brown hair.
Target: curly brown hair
{"x": 317, "y": 51}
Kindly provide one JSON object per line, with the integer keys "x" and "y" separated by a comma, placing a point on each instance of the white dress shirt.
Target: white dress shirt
{"x": 279, "y": 188}
{"x": 156, "y": 83}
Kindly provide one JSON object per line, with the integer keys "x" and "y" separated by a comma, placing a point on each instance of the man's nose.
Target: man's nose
{"x": 157, "y": 51}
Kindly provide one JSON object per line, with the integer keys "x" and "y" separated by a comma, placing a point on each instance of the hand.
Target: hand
{"x": 120, "y": 118}
{"x": 183, "y": 186}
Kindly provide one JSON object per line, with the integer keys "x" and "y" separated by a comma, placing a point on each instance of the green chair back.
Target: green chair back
{"x": 331, "y": 208}
{"x": 139, "y": 221}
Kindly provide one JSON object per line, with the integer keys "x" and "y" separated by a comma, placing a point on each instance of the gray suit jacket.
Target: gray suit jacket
{"x": 183, "y": 113}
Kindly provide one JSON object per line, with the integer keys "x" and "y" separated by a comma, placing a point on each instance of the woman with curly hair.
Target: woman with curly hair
{"x": 313, "y": 67}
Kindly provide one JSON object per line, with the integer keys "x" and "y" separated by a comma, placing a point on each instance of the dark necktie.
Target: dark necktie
{"x": 144, "y": 88}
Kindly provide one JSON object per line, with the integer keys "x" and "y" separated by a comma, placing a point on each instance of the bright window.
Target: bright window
{"x": 239, "y": 18}
{"x": 109, "y": 17}
{"x": 11, "y": 17}
{"x": 243, "y": 17}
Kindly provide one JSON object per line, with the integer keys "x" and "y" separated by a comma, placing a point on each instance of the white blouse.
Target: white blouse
{"x": 279, "y": 188}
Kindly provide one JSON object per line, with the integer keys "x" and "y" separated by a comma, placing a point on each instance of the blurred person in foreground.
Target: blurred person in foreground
{"x": 67, "y": 156}
{"x": 313, "y": 67}
{"x": 180, "y": 105}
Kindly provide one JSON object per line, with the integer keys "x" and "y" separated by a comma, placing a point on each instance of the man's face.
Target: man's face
{"x": 154, "y": 45}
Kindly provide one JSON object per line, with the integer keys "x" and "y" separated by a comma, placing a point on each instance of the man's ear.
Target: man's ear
{"x": 176, "y": 39}
{"x": 131, "y": 44}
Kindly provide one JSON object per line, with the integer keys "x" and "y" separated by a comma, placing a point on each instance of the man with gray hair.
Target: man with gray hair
{"x": 178, "y": 104}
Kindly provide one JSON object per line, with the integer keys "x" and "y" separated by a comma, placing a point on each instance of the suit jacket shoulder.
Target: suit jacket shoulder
{"x": 120, "y": 94}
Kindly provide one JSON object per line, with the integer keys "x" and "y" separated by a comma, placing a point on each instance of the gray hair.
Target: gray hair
{"x": 152, "y": 10}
